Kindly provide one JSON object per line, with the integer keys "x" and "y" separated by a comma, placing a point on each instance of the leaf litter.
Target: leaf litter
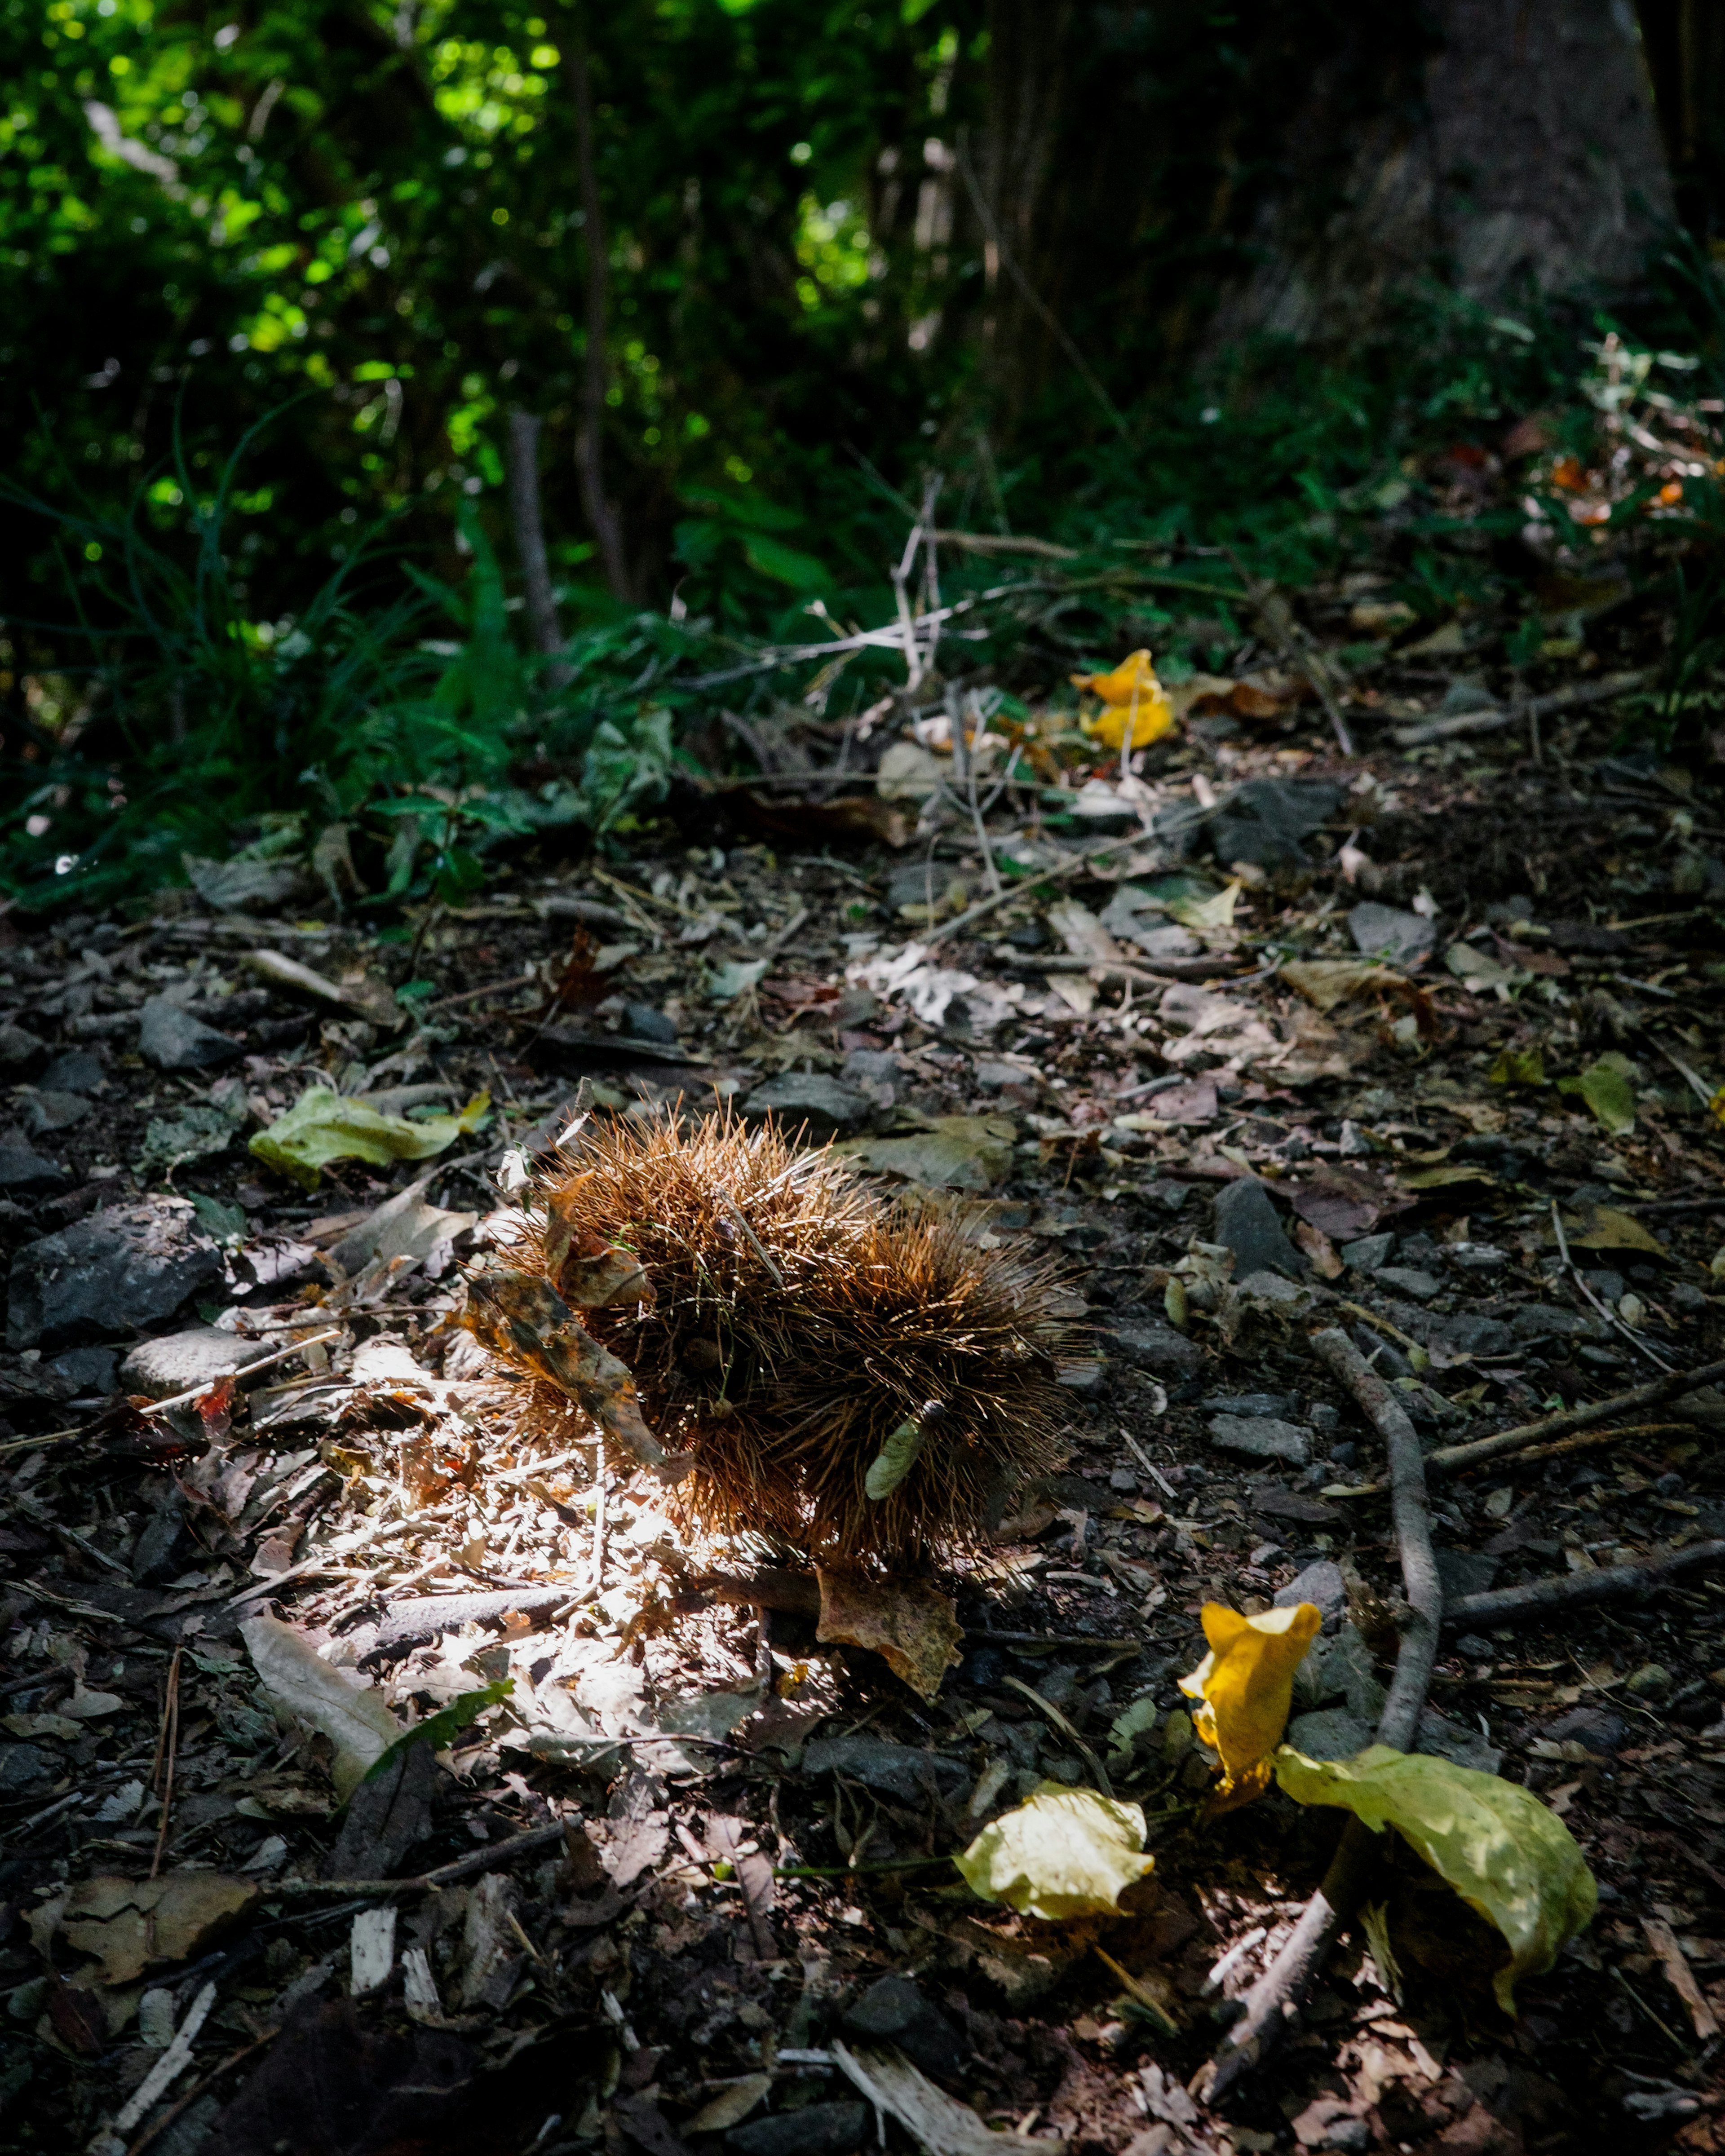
{"x": 686, "y": 1796}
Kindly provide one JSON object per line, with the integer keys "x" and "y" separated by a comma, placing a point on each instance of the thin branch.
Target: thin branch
{"x": 545, "y": 632}
{"x": 1580, "y": 1590}
{"x": 1654, "y": 1393}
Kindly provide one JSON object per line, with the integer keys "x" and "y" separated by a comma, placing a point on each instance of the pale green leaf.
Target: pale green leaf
{"x": 1508, "y": 1855}
{"x": 1138, "y": 1720}
{"x": 1606, "y": 1089}
{"x": 322, "y": 1126}
{"x": 1063, "y": 1852}
{"x": 897, "y": 1458}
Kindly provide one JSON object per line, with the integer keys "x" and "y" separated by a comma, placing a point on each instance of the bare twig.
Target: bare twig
{"x": 1059, "y": 1720}
{"x": 240, "y": 1370}
{"x": 167, "y": 1747}
{"x": 1275, "y": 1998}
{"x": 1600, "y": 1309}
{"x": 1535, "y": 708}
{"x": 1654, "y": 1393}
{"x": 1070, "y": 866}
{"x": 1579, "y": 1590}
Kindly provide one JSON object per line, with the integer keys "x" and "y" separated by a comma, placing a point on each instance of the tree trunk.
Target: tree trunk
{"x": 543, "y": 631}
{"x": 1527, "y": 159}
{"x": 601, "y": 511}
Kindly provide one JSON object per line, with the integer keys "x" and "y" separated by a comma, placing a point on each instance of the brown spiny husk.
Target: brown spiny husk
{"x": 785, "y": 1388}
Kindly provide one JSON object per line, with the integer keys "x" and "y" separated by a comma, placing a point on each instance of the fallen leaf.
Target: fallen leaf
{"x": 1478, "y": 969}
{"x": 1138, "y": 1720}
{"x": 1245, "y": 1684}
{"x": 1216, "y": 911}
{"x": 522, "y": 1319}
{"x": 1508, "y": 1855}
{"x": 1604, "y": 1228}
{"x": 1328, "y": 981}
{"x": 1320, "y": 1249}
{"x": 354, "y": 1717}
{"x": 1063, "y": 1852}
{"x": 899, "y": 1453}
{"x": 588, "y": 1272}
{"x": 1680, "y": 1976}
{"x": 726, "y": 983}
{"x": 134, "y": 1925}
{"x": 322, "y": 1126}
{"x": 911, "y": 1626}
{"x": 441, "y": 1730}
{"x": 731, "y": 2105}
{"x": 1605, "y": 1087}
{"x": 935, "y": 2121}
{"x": 1081, "y": 932}
{"x": 957, "y": 1152}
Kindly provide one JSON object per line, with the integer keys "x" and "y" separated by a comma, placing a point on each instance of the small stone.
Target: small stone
{"x": 1323, "y": 1418}
{"x": 1157, "y": 1348}
{"x": 25, "y": 1768}
{"x": 76, "y": 1071}
{"x": 804, "y": 1103}
{"x": 172, "y": 1040}
{"x": 643, "y": 1022}
{"x": 879, "y": 1066}
{"x": 119, "y": 1270}
{"x": 1123, "y": 1479}
{"x": 1652, "y": 1681}
{"x": 1386, "y": 933}
{"x": 1247, "y": 1404}
{"x": 1329, "y": 1732}
{"x": 44, "y": 1111}
{"x": 24, "y": 1172}
{"x": 1261, "y": 1437}
{"x": 87, "y": 1371}
{"x": 155, "y": 1555}
{"x": 1477, "y": 1258}
{"x": 1596, "y": 1728}
{"x": 893, "y": 2011}
{"x": 1440, "y": 1739}
{"x": 1472, "y": 1648}
{"x": 1465, "y": 1572}
{"x": 1692, "y": 1301}
{"x": 178, "y": 1361}
{"x": 1407, "y": 1280}
{"x": 19, "y": 1049}
{"x": 1248, "y": 1224}
{"x": 1476, "y": 1336}
{"x": 817, "y": 2129}
{"x": 1322, "y": 1585}
{"x": 897, "y": 1770}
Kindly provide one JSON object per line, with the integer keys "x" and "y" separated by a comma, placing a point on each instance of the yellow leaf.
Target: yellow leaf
{"x": 1508, "y": 1855}
{"x": 1328, "y": 981}
{"x": 1131, "y": 697}
{"x": 1063, "y": 1852}
{"x": 323, "y": 1126}
{"x": 1216, "y": 911}
{"x": 1245, "y": 1684}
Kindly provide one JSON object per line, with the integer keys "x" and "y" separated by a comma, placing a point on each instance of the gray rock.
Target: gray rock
{"x": 25, "y": 1768}
{"x": 901, "y": 1770}
{"x": 1482, "y": 1259}
{"x": 75, "y": 1070}
{"x": 1339, "y": 1666}
{"x": 19, "y": 1051}
{"x": 1385, "y": 1358}
{"x": 1440, "y": 1739}
{"x": 879, "y": 1066}
{"x": 1608, "y": 1286}
{"x": 1368, "y": 1252}
{"x": 1261, "y": 1437}
{"x": 1271, "y": 1287}
{"x": 1264, "y": 820}
{"x": 1409, "y": 1280}
{"x": 1322, "y": 1584}
{"x": 178, "y": 1361}
{"x": 42, "y": 1112}
{"x": 1472, "y": 1648}
{"x": 817, "y": 2129}
{"x": 893, "y": 2011}
{"x": 1158, "y": 1348}
{"x": 246, "y": 887}
{"x": 1250, "y": 1226}
{"x": 1596, "y": 1728}
{"x": 117, "y": 1272}
{"x": 1465, "y": 1572}
{"x": 1248, "y": 1403}
{"x": 644, "y": 1022}
{"x": 804, "y": 1101}
{"x": 1329, "y": 1732}
{"x": 1385, "y": 931}
{"x": 172, "y": 1040}
{"x": 24, "y": 1172}
{"x": 85, "y": 1371}
{"x": 1473, "y": 1336}
{"x": 919, "y": 883}
{"x": 1539, "y": 1320}
{"x": 155, "y": 1556}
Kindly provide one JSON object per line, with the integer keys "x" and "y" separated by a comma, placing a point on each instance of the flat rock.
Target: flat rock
{"x": 900, "y": 1770}
{"x": 1440, "y": 1739}
{"x": 805, "y": 1101}
{"x": 879, "y": 1066}
{"x": 44, "y": 1111}
{"x": 1466, "y": 1335}
{"x": 1539, "y": 1320}
{"x": 1596, "y": 1728}
{"x": 1261, "y": 1437}
{"x": 1249, "y": 1225}
{"x": 74, "y": 1071}
{"x": 1386, "y": 933}
{"x": 1247, "y": 1404}
{"x": 1367, "y": 1253}
{"x": 1329, "y": 1732}
{"x": 117, "y": 1272}
{"x": 172, "y": 1040}
{"x": 1321, "y": 1585}
{"x": 646, "y": 1022}
{"x": 85, "y": 1372}
{"x": 19, "y": 1051}
{"x": 177, "y": 1361}
{"x": 894, "y": 2011}
{"x": 817, "y": 2129}
{"x": 1158, "y": 1348}
{"x": 1409, "y": 1280}
{"x": 24, "y": 1172}
{"x": 1264, "y": 821}
{"x": 1465, "y": 1572}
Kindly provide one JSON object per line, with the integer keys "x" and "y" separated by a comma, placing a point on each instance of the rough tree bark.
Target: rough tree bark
{"x": 1526, "y": 156}
{"x": 544, "y": 632}
{"x": 601, "y": 510}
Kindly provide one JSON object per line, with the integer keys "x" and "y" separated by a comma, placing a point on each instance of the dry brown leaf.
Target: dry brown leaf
{"x": 132, "y": 1925}
{"x": 1680, "y": 1976}
{"x": 911, "y": 1625}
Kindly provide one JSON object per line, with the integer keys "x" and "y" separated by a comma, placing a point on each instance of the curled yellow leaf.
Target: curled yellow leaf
{"x": 1062, "y": 1853}
{"x": 1246, "y": 1686}
{"x": 1508, "y": 1855}
{"x": 1132, "y": 696}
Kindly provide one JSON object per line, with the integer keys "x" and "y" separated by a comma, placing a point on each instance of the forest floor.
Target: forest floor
{"x": 649, "y": 1934}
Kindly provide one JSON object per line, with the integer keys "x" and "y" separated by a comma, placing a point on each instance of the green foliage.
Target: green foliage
{"x": 441, "y": 1729}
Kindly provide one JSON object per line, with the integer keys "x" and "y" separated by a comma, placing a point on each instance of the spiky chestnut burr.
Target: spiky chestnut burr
{"x": 855, "y": 1377}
